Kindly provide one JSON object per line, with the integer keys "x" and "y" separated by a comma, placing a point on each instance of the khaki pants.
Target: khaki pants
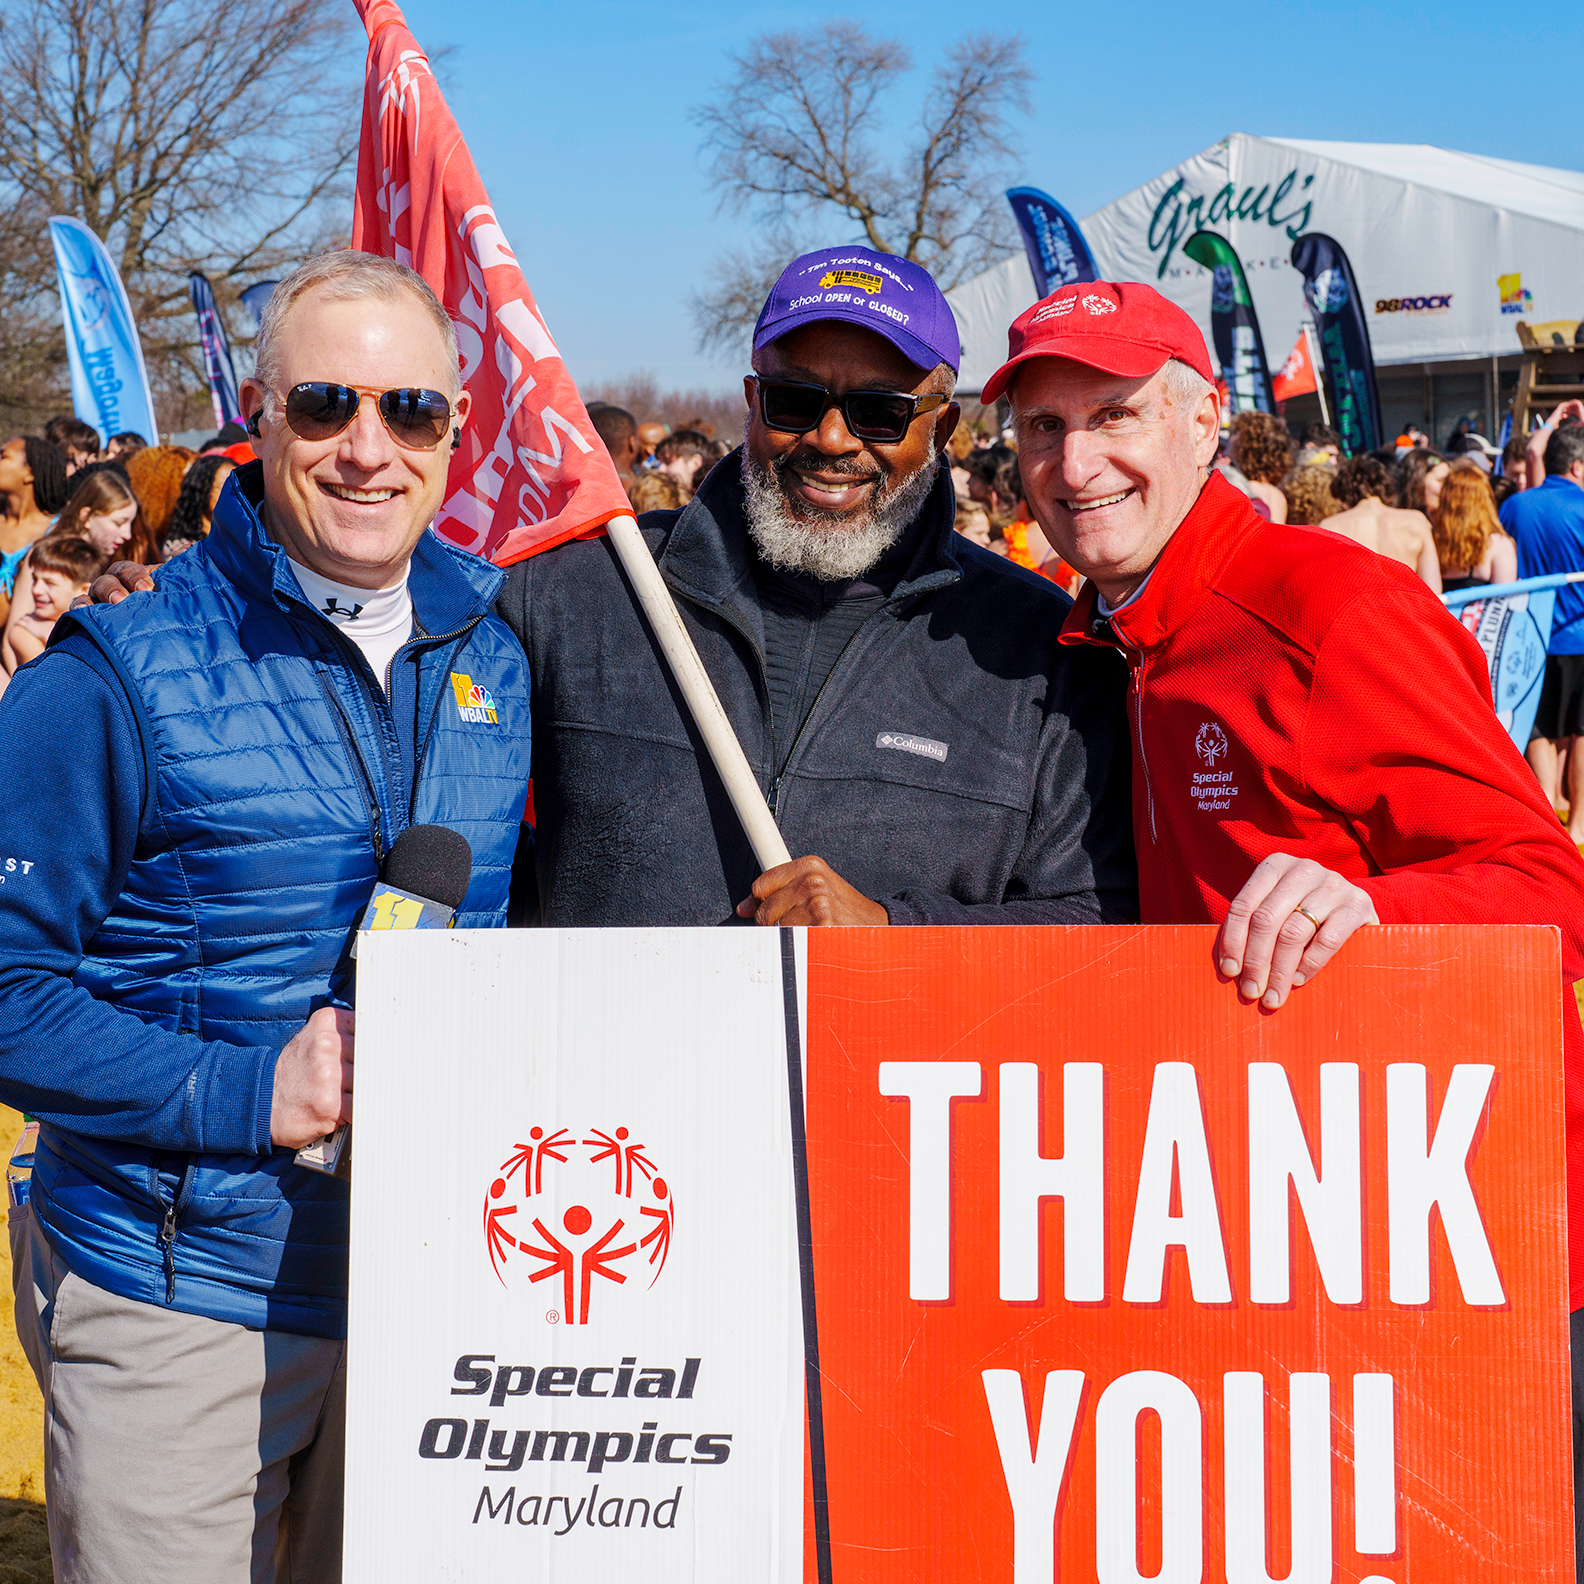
{"x": 179, "y": 1449}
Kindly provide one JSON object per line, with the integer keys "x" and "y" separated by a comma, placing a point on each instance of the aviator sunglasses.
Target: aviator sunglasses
{"x": 879, "y": 416}
{"x": 320, "y": 409}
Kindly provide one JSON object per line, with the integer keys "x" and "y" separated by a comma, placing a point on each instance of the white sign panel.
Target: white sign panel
{"x": 572, "y": 1182}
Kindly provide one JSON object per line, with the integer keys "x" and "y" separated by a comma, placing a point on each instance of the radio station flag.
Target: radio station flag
{"x": 216, "y": 351}
{"x": 1296, "y": 377}
{"x": 1057, "y": 252}
{"x": 110, "y": 388}
{"x": 1240, "y": 348}
{"x": 530, "y": 472}
{"x": 1332, "y": 293}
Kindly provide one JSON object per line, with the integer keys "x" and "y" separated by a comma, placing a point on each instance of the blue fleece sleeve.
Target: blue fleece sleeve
{"x": 69, "y": 828}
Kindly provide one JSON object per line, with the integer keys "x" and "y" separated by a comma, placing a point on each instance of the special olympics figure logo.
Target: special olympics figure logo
{"x": 1211, "y": 743}
{"x": 620, "y": 1215}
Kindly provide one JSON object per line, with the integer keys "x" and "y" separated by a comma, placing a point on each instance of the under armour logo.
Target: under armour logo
{"x": 332, "y": 607}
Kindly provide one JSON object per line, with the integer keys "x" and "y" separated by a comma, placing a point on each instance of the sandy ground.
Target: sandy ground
{"x": 24, "y": 1544}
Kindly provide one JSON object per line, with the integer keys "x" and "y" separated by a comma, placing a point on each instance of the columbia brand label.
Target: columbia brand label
{"x": 474, "y": 701}
{"x": 924, "y": 747}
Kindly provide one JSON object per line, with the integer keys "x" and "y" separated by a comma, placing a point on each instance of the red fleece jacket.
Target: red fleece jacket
{"x": 1294, "y": 692}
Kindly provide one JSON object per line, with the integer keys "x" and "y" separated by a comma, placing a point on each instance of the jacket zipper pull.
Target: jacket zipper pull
{"x": 167, "y": 1240}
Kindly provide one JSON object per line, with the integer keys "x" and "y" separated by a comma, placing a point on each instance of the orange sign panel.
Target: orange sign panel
{"x": 1119, "y": 1279}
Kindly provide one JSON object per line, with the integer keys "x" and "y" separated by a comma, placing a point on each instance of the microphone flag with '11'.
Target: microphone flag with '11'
{"x": 529, "y": 471}
{"x": 426, "y": 876}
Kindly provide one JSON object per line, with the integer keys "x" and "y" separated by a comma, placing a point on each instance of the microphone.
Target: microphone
{"x": 426, "y": 875}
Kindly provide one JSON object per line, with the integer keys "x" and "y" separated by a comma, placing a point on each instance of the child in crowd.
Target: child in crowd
{"x": 62, "y": 569}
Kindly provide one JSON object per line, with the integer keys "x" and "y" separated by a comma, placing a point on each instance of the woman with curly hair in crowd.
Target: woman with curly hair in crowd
{"x": 1262, "y": 452}
{"x": 1309, "y": 497}
{"x": 156, "y": 474}
{"x": 1468, "y": 536}
{"x": 33, "y": 485}
{"x": 195, "y": 503}
{"x": 1419, "y": 476}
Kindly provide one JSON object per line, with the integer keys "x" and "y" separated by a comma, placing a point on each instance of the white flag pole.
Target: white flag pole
{"x": 703, "y": 703}
{"x": 1314, "y": 363}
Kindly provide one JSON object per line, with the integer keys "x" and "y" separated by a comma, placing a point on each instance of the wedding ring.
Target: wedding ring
{"x": 1307, "y": 914}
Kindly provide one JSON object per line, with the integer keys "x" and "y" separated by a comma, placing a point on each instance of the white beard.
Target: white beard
{"x": 831, "y": 546}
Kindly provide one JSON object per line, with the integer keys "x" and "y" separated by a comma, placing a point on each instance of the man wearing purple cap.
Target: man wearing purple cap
{"x": 920, "y": 735}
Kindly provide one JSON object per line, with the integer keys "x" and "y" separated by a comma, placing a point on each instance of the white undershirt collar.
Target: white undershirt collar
{"x": 378, "y": 621}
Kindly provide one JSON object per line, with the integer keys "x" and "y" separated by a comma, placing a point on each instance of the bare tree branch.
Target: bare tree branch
{"x": 792, "y": 141}
{"x": 184, "y": 143}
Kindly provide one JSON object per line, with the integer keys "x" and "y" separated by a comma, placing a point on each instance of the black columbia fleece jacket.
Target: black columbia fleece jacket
{"x": 959, "y": 766}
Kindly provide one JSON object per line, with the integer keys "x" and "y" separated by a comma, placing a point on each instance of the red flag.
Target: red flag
{"x": 530, "y": 472}
{"x": 1296, "y": 377}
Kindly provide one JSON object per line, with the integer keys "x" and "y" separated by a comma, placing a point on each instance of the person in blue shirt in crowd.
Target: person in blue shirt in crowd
{"x": 215, "y": 772}
{"x": 1547, "y": 525}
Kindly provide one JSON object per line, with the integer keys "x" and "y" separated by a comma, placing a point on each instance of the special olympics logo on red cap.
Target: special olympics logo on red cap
{"x": 618, "y": 1222}
{"x": 1096, "y": 304}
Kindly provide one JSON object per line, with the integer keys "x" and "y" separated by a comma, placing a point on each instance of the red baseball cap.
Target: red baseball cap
{"x": 1120, "y": 327}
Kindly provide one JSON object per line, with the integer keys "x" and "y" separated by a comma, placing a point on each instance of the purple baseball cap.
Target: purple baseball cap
{"x": 880, "y": 291}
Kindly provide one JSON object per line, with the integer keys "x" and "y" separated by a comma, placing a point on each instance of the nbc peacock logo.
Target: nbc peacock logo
{"x": 474, "y": 701}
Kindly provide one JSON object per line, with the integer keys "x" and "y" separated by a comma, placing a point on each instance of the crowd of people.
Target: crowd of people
{"x": 70, "y": 505}
{"x": 659, "y": 467}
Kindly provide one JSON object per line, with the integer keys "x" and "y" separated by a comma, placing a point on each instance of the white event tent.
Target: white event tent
{"x": 1450, "y": 250}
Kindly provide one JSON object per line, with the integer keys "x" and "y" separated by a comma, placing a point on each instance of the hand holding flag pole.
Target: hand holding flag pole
{"x": 527, "y": 475}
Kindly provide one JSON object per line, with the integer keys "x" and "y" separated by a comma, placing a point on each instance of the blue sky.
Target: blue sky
{"x": 577, "y": 116}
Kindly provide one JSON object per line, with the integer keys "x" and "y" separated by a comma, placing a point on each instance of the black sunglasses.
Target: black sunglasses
{"x": 319, "y": 409}
{"x": 880, "y": 416}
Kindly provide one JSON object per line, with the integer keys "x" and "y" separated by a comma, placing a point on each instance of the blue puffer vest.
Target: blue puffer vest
{"x": 278, "y": 777}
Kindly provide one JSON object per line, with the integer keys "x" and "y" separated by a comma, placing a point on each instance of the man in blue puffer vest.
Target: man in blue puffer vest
{"x": 204, "y": 784}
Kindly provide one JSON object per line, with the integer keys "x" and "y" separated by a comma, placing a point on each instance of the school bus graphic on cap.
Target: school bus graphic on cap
{"x": 859, "y": 278}
{"x": 474, "y": 701}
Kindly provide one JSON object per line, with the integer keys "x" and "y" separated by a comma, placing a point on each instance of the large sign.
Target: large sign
{"x": 1103, "y": 1275}
{"x": 575, "y": 1344}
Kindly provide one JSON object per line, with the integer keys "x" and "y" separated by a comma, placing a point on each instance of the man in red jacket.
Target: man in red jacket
{"x": 1314, "y": 744}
